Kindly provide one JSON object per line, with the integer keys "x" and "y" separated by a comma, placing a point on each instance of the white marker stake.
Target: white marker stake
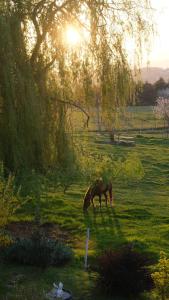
{"x": 87, "y": 245}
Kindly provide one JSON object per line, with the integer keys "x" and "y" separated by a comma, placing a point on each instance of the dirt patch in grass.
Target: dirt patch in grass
{"x": 25, "y": 229}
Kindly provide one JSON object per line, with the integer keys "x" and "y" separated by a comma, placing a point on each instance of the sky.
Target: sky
{"x": 159, "y": 55}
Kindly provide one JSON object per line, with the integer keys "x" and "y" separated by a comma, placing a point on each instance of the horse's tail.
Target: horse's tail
{"x": 87, "y": 198}
{"x": 111, "y": 192}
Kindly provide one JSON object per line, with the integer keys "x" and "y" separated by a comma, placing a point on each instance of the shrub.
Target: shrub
{"x": 32, "y": 183}
{"x": 124, "y": 272}
{"x": 161, "y": 277}
{"x": 10, "y": 201}
{"x": 37, "y": 251}
{"x": 128, "y": 170}
{"x": 65, "y": 175}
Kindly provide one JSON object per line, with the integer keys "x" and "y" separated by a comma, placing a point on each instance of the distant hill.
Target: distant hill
{"x": 153, "y": 74}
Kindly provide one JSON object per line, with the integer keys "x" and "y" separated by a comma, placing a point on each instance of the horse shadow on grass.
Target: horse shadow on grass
{"x": 105, "y": 228}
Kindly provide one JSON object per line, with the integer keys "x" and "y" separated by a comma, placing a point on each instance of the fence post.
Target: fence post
{"x": 86, "y": 249}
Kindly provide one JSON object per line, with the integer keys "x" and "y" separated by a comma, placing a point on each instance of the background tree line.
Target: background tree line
{"x": 148, "y": 93}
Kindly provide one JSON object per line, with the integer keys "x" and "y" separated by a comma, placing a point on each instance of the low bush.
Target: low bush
{"x": 37, "y": 251}
{"x": 128, "y": 170}
{"x": 10, "y": 199}
{"x": 161, "y": 277}
{"x": 10, "y": 202}
{"x": 124, "y": 272}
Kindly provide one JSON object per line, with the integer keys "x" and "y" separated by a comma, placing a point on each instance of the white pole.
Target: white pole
{"x": 87, "y": 245}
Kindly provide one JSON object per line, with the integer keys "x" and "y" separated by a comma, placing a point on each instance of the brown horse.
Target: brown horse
{"x": 97, "y": 189}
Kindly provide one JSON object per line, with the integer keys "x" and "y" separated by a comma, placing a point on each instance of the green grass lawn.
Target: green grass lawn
{"x": 140, "y": 214}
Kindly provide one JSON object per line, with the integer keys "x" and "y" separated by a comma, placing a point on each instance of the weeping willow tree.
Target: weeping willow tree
{"x": 42, "y": 74}
{"x": 20, "y": 130}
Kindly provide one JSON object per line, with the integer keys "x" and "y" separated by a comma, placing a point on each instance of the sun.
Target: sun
{"x": 72, "y": 36}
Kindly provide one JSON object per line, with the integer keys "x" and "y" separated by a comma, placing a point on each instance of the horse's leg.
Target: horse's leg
{"x": 105, "y": 195}
{"x": 100, "y": 200}
{"x": 92, "y": 202}
{"x": 111, "y": 196}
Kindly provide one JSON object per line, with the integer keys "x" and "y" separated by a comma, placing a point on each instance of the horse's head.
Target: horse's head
{"x": 87, "y": 199}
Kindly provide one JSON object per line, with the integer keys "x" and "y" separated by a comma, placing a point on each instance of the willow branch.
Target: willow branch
{"x": 50, "y": 63}
{"x": 77, "y": 105}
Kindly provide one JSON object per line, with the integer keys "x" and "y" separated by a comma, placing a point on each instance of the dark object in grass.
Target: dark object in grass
{"x": 37, "y": 251}
{"x": 124, "y": 272}
{"x": 124, "y": 143}
{"x": 98, "y": 188}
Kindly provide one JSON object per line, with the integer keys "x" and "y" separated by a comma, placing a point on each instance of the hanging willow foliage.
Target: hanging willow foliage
{"x": 42, "y": 76}
{"x": 21, "y": 108}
